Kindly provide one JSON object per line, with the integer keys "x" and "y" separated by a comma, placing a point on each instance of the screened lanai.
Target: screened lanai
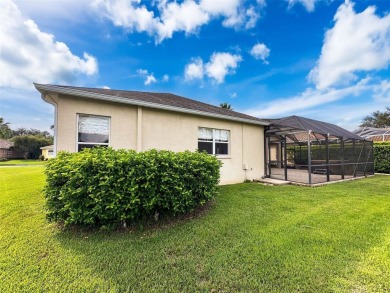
{"x": 309, "y": 151}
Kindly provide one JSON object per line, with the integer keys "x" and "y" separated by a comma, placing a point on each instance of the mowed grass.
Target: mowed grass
{"x": 22, "y": 162}
{"x": 255, "y": 238}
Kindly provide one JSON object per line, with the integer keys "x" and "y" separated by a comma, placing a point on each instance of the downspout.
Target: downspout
{"x": 48, "y": 99}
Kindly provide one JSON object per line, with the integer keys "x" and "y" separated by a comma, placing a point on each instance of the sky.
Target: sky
{"x": 321, "y": 59}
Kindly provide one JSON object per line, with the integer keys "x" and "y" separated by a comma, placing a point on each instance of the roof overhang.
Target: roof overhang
{"x": 45, "y": 89}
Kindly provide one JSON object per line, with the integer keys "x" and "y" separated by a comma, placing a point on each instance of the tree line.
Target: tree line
{"x": 26, "y": 141}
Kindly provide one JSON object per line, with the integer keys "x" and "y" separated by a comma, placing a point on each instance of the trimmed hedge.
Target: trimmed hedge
{"x": 105, "y": 187}
{"x": 382, "y": 158}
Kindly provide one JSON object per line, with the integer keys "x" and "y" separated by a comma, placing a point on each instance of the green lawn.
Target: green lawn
{"x": 334, "y": 238}
{"x": 22, "y": 162}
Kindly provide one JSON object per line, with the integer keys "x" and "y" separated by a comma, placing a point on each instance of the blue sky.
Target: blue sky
{"x": 326, "y": 60}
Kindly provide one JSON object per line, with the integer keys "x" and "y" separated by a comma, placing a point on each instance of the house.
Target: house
{"x": 374, "y": 134}
{"x": 249, "y": 148}
{"x": 47, "y": 152}
{"x": 86, "y": 117}
{"x": 8, "y": 151}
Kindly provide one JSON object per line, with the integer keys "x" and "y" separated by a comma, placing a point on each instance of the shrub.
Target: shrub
{"x": 41, "y": 158}
{"x": 29, "y": 145}
{"x": 104, "y": 187}
{"x": 382, "y": 158}
{"x": 3, "y": 159}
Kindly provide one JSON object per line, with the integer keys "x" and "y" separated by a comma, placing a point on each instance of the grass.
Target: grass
{"x": 22, "y": 162}
{"x": 334, "y": 238}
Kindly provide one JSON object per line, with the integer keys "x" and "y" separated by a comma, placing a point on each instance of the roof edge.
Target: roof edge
{"x": 44, "y": 88}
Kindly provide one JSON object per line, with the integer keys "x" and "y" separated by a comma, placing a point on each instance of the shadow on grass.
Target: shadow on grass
{"x": 247, "y": 242}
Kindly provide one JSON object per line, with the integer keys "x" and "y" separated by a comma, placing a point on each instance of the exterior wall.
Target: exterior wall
{"x": 123, "y": 122}
{"x": 10, "y": 153}
{"x": 141, "y": 129}
{"x": 45, "y": 153}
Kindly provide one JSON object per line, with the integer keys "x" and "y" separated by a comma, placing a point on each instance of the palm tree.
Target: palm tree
{"x": 5, "y": 131}
{"x": 226, "y": 106}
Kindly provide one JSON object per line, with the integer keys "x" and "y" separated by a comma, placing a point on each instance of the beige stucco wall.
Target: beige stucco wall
{"x": 165, "y": 130}
{"x": 123, "y": 122}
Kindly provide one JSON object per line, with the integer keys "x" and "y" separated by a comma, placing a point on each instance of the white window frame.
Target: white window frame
{"x": 92, "y": 143}
{"x": 214, "y": 141}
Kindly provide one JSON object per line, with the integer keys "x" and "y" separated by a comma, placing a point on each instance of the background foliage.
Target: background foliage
{"x": 104, "y": 187}
{"x": 382, "y": 157}
{"x": 29, "y": 145}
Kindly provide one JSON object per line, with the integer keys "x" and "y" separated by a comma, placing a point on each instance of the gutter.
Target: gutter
{"x": 46, "y": 97}
{"x": 44, "y": 89}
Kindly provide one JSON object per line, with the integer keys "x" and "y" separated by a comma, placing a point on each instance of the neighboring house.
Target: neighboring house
{"x": 8, "y": 151}
{"x": 247, "y": 146}
{"x": 47, "y": 152}
{"x": 374, "y": 134}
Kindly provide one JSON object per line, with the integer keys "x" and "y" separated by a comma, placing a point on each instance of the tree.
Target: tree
{"x": 5, "y": 131}
{"x": 226, "y": 106}
{"x": 24, "y": 131}
{"x": 29, "y": 145}
{"x": 377, "y": 119}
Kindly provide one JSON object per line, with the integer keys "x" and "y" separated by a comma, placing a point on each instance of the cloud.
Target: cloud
{"x": 165, "y": 78}
{"x": 187, "y": 16}
{"x": 28, "y": 54}
{"x": 308, "y": 4}
{"x": 148, "y": 77}
{"x": 194, "y": 70}
{"x": 358, "y": 42}
{"x": 308, "y": 99}
{"x": 260, "y": 51}
{"x": 220, "y": 65}
{"x": 382, "y": 92}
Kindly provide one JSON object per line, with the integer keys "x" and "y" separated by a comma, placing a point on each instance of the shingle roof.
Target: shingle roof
{"x": 301, "y": 123}
{"x": 6, "y": 144}
{"x": 151, "y": 99}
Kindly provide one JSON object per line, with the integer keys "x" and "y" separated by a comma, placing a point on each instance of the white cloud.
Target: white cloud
{"x": 194, "y": 70}
{"x": 382, "y": 92}
{"x": 187, "y": 16}
{"x": 260, "y": 51}
{"x": 28, "y": 54}
{"x": 165, "y": 78}
{"x": 308, "y": 99}
{"x": 308, "y": 4}
{"x": 233, "y": 95}
{"x": 358, "y": 42}
{"x": 105, "y": 87}
{"x": 220, "y": 65}
{"x": 148, "y": 77}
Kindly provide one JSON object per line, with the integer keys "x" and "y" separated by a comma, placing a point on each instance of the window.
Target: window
{"x": 213, "y": 141}
{"x": 92, "y": 131}
{"x": 50, "y": 152}
{"x": 9, "y": 153}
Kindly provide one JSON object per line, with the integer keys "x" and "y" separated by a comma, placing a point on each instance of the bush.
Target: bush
{"x": 41, "y": 158}
{"x": 382, "y": 158}
{"x": 103, "y": 187}
{"x": 3, "y": 159}
{"x": 29, "y": 145}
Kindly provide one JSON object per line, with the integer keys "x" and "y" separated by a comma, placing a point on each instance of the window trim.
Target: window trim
{"x": 92, "y": 143}
{"x": 222, "y": 156}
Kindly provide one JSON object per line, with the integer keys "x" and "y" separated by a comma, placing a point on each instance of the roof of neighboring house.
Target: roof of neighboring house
{"x": 374, "y": 134}
{"x": 48, "y": 147}
{"x": 293, "y": 123}
{"x": 164, "y": 101}
{"x": 6, "y": 144}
